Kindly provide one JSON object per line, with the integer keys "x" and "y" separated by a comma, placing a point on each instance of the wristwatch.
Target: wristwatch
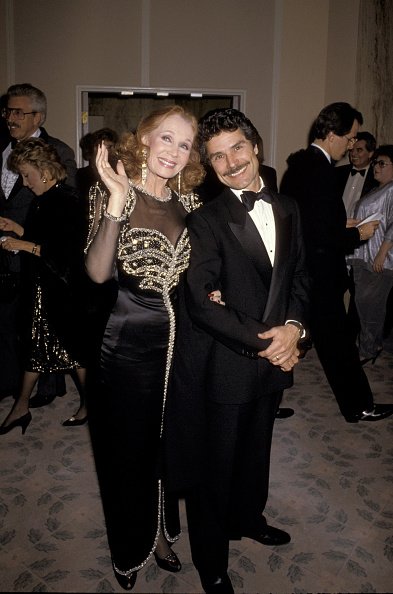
{"x": 299, "y": 326}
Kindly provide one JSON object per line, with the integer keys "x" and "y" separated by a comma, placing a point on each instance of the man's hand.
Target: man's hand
{"x": 283, "y": 349}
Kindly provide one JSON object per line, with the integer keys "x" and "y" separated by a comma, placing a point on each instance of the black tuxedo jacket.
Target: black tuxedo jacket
{"x": 227, "y": 253}
{"x": 344, "y": 171}
{"x": 312, "y": 181}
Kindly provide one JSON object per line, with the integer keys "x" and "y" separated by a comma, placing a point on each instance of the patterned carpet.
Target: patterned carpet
{"x": 331, "y": 488}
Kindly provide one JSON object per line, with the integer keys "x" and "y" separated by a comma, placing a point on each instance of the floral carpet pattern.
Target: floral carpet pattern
{"x": 331, "y": 487}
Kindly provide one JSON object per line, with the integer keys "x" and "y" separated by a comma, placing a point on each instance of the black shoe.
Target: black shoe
{"x": 272, "y": 537}
{"x": 377, "y": 413}
{"x": 170, "y": 563}
{"x": 220, "y": 584}
{"x": 73, "y": 422}
{"x": 39, "y": 400}
{"x": 284, "y": 413}
{"x": 22, "y": 422}
{"x": 380, "y": 411}
{"x": 127, "y": 582}
{"x": 372, "y": 359}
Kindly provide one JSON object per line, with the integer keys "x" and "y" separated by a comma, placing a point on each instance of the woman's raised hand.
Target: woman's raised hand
{"x": 115, "y": 181}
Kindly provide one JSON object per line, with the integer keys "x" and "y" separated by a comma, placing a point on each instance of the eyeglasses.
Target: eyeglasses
{"x": 350, "y": 140}
{"x": 382, "y": 163}
{"x": 18, "y": 114}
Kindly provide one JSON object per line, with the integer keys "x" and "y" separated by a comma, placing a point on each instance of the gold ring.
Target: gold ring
{"x": 277, "y": 357}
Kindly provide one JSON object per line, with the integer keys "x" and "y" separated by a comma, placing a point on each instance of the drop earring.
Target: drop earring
{"x": 144, "y": 167}
{"x": 44, "y": 180}
{"x": 179, "y": 183}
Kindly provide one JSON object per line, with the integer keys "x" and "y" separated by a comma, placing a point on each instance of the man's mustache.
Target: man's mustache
{"x": 236, "y": 169}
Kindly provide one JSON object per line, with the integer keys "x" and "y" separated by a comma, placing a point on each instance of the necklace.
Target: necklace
{"x": 159, "y": 198}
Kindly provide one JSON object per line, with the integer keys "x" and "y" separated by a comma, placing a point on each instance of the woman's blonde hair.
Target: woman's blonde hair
{"x": 38, "y": 154}
{"x": 132, "y": 151}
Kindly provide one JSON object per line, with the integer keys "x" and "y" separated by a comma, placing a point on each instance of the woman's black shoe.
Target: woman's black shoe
{"x": 372, "y": 359}
{"x": 73, "y": 422}
{"x": 170, "y": 563}
{"x": 21, "y": 422}
{"x": 127, "y": 582}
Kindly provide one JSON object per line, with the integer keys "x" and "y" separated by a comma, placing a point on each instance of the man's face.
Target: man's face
{"x": 359, "y": 156}
{"x": 20, "y": 129}
{"x": 339, "y": 145}
{"x": 234, "y": 159}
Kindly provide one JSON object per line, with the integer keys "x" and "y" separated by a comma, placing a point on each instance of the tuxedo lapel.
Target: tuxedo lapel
{"x": 282, "y": 254}
{"x": 245, "y": 231}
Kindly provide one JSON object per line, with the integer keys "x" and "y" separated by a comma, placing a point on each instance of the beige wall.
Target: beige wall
{"x": 283, "y": 53}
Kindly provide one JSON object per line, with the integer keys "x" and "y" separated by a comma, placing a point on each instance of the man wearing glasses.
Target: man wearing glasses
{"x": 312, "y": 180}
{"x": 24, "y": 112}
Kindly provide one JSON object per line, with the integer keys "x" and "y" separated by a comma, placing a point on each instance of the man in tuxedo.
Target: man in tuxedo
{"x": 357, "y": 178}
{"x": 311, "y": 179}
{"x": 248, "y": 247}
{"x": 24, "y": 110}
{"x": 212, "y": 187}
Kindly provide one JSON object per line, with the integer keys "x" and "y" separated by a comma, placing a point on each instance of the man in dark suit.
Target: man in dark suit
{"x": 311, "y": 180}
{"x": 357, "y": 179}
{"x": 211, "y": 187}
{"x": 253, "y": 254}
{"x": 24, "y": 110}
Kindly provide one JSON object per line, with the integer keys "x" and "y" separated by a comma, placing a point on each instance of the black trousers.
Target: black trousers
{"x": 335, "y": 343}
{"x": 231, "y": 500}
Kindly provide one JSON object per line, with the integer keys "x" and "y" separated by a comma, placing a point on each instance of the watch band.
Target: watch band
{"x": 299, "y": 326}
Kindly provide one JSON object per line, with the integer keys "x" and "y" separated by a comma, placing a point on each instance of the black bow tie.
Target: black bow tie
{"x": 249, "y": 198}
{"x": 14, "y": 142}
{"x": 361, "y": 171}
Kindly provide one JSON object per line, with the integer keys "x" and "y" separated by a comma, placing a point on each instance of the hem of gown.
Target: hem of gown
{"x": 161, "y": 514}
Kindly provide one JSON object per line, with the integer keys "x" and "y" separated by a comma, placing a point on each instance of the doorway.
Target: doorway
{"x": 120, "y": 109}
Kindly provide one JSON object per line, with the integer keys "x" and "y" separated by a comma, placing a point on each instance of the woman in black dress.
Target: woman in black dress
{"x": 138, "y": 236}
{"x": 51, "y": 245}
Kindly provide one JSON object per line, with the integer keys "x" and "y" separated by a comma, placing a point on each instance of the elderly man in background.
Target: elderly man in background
{"x": 24, "y": 111}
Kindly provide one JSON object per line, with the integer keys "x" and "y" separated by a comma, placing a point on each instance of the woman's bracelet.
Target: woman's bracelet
{"x": 360, "y": 234}
{"x": 34, "y": 250}
{"x": 120, "y": 219}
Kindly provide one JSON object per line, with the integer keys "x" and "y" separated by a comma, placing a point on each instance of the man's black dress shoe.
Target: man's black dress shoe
{"x": 284, "y": 413}
{"x": 39, "y": 400}
{"x": 379, "y": 412}
{"x": 272, "y": 537}
{"x": 220, "y": 584}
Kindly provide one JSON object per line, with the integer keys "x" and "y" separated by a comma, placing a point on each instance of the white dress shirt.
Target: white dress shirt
{"x": 262, "y": 215}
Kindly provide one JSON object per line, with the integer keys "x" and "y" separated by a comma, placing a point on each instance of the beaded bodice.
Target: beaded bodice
{"x": 149, "y": 255}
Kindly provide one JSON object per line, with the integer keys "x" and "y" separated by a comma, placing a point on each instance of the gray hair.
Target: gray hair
{"x": 37, "y": 97}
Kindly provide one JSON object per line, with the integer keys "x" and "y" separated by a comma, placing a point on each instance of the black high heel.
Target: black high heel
{"x": 73, "y": 422}
{"x": 170, "y": 563}
{"x": 127, "y": 582}
{"x": 23, "y": 422}
{"x": 372, "y": 359}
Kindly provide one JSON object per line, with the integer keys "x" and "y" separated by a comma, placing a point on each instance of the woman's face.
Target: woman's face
{"x": 170, "y": 146}
{"x": 33, "y": 179}
{"x": 383, "y": 170}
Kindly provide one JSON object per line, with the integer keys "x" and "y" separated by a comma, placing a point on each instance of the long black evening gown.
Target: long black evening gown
{"x": 150, "y": 251}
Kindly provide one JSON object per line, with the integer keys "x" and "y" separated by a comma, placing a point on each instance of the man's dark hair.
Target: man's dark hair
{"x": 371, "y": 143}
{"x": 226, "y": 120}
{"x": 337, "y": 118}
